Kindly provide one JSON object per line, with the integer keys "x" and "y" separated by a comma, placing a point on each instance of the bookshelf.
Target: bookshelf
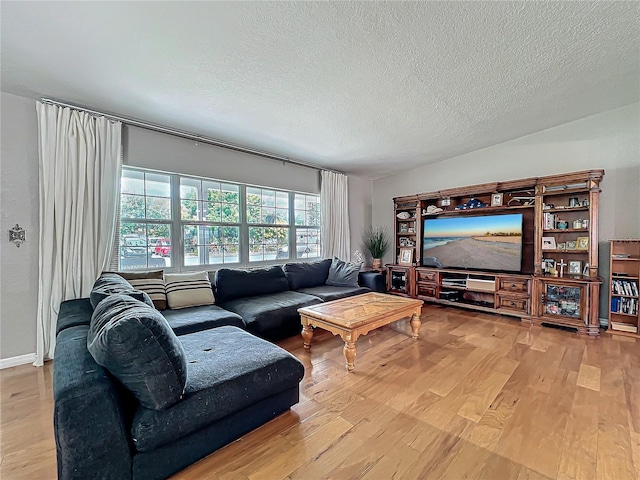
{"x": 624, "y": 281}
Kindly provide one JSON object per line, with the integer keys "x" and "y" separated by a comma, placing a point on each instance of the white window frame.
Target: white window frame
{"x": 177, "y": 225}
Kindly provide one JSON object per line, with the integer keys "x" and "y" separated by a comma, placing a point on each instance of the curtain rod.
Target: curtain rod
{"x": 190, "y": 136}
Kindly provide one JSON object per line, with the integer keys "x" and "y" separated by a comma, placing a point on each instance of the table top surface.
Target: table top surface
{"x": 361, "y": 309}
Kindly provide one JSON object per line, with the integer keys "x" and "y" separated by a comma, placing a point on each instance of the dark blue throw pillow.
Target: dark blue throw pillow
{"x": 343, "y": 274}
{"x": 111, "y": 283}
{"x": 136, "y": 344}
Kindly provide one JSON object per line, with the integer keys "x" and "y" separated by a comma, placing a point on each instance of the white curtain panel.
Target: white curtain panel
{"x": 80, "y": 166}
{"x": 334, "y": 208}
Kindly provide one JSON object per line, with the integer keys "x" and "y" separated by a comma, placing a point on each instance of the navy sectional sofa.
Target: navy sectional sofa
{"x": 236, "y": 381}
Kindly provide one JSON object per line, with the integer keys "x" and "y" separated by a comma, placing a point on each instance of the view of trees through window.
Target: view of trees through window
{"x": 218, "y": 222}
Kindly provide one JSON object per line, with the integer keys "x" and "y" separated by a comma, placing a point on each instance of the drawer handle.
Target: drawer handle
{"x": 512, "y": 304}
{"x": 513, "y": 285}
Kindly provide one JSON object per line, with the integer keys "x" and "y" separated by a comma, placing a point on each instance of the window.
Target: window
{"x": 266, "y": 208}
{"x": 307, "y": 216}
{"x": 215, "y": 222}
{"x": 145, "y": 220}
{"x": 210, "y": 213}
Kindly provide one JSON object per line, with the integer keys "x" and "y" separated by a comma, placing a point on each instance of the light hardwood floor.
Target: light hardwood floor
{"x": 476, "y": 396}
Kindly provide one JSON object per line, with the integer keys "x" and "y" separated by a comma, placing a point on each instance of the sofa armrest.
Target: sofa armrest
{"x": 91, "y": 436}
{"x": 373, "y": 280}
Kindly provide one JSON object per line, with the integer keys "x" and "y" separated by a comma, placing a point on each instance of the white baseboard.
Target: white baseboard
{"x": 19, "y": 360}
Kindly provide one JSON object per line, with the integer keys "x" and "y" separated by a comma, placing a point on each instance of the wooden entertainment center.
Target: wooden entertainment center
{"x": 557, "y": 282}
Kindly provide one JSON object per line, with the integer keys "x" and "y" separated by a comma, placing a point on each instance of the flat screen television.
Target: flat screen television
{"x": 486, "y": 242}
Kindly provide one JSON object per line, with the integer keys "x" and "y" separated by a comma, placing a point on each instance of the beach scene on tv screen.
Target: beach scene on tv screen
{"x": 486, "y": 242}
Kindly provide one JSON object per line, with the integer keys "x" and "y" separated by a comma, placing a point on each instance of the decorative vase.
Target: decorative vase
{"x": 377, "y": 263}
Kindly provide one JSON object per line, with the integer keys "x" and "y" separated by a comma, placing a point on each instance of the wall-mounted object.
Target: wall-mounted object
{"x": 17, "y": 235}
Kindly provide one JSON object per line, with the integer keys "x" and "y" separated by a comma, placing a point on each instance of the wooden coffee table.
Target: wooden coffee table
{"x": 354, "y": 316}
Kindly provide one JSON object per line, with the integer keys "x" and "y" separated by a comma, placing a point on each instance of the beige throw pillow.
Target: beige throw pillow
{"x": 188, "y": 289}
{"x": 150, "y": 282}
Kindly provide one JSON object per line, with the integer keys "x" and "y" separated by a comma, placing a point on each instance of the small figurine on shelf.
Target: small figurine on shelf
{"x": 561, "y": 264}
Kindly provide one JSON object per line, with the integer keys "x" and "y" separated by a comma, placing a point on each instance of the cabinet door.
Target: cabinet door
{"x": 562, "y": 300}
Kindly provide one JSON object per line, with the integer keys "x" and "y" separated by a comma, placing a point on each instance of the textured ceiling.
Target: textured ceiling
{"x": 369, "y": 88}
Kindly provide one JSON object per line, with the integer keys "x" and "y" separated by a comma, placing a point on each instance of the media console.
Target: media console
{"x": 557, "y": 282}
{"x": 496, "y": 293}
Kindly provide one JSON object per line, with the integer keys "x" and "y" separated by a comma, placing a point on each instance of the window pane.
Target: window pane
{"x": 299, "y": 202}
{"x": 157, "y": 185}
{"x": 307, "y": 243}
{"x": 282, "y": 200}
{"x": 144, "y": 246}
{"x": 230, "y": 193}
{"x": 268, "y": 198}
{"x": 268, "y": 243}
{"x": 212, "y": 213}
{"x": 253, "y": 214}
{"x": 230, "y": 212}
{"x": 254, "y": 196}
{"x": 132, "y": 182}
{"x": 132, "y": 206}
{"x": 268, "y": 215}
{"x": 282, "y": 215}
{"x": 300, "y": 217}
{"x": 208, "y": 245}
{"x": 189, "y": 188}
{"x": 159, "y": 208}
{"x": 189, "y": 209}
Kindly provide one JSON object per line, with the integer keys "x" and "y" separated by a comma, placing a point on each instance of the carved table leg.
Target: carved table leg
{"x": 307, "y": 335}
{"x": 415, "y": 324}
{"x": 349, "y": 351}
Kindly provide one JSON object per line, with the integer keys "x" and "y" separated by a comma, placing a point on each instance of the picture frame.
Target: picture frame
{"x": 571, "y": 245}
{"x": 582, "y": 243}
{"x": 403, "y": 242}
{"x": 585, "y": 270}
{"x": 548, "y": 265}
{"x": 496, "y": 199}
{"x": 575, "y": 267}
{"x": 548, "y": 243}
{"x": 406, "y": 256}
{"x": 403, "y": 228}
{"x": 562, "y": 246}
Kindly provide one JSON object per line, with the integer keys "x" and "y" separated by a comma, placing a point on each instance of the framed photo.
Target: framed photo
{"x": 575, "y": 267}
{"x": 585, "y": 270}
{"x": 548, "y": 243}
{"x": 548, "y": 265}
{"x": 562, "y": 246}
{"x": 406, "y": 256}
{"x": 496, "y": 199}
{"x": 403, "y": 228}
{"x": 582, "y": 243}
{"x": 571, "y": 245}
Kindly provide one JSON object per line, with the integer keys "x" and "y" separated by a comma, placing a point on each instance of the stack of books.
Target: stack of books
{"x": 624, "y": 305}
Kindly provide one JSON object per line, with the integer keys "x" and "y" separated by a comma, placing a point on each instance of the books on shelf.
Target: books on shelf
{"x": 620, "y": 255}
{"x": 625, "y": 305}
{"x": 624, "y": 327}
{"x": 624, "y": 287}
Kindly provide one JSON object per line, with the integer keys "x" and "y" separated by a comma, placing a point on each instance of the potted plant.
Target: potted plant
{"x": 376, "y": 242}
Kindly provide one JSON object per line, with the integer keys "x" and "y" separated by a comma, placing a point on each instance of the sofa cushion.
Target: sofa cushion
{"x": 112, "y": 283}
{"x": 228, "y": 370}
{"x": 204, "y": 317}
{"x": 343, "y": 274}
{"x": 73, "y": 313}
{"x": 305, "y": 275}
{"x": 188, "y": 289}
{"x": 152, "y": 283}
{"x": 234, "y": 283}
{"x": 136, "y": 344}
{"x": 329, "y": 292}
{"x": 267, "y": 315}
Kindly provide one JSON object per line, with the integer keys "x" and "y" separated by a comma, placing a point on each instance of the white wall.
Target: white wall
{"x": 610, "y": 140}
{"x": 18, "y": 204}
{"x": 19, "y": 200}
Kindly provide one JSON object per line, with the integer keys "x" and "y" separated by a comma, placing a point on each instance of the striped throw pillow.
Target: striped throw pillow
{"x": 152, "y": 283}
{"x": 188, "y": 289}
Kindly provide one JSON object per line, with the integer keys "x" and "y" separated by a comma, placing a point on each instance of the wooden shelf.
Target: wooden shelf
{"x": 631, "y": 268}
{"x": 527, "y": 197}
